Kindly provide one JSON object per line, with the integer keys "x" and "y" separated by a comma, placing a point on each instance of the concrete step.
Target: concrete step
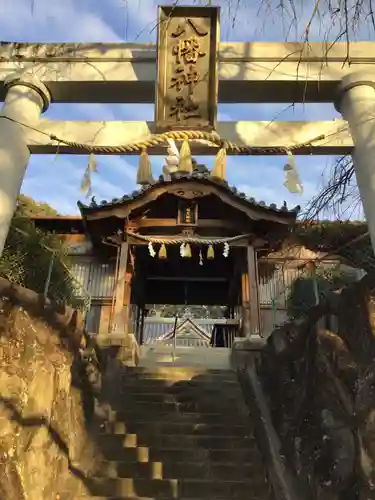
{"x": 176, "y": 441}
{"x": 179, "y": 470}
{"x": 114, "y": 451}
{"x": 176, "y": 428}
{"x": 174, "y": 488}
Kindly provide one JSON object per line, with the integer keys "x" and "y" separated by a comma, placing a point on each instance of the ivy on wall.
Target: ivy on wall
{"x": 26, "y": 259}
{"x": 347, "y": 239}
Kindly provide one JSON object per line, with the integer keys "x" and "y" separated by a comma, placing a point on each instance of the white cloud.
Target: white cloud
{"x": 121, "y": 167}
{"x": 52, "y": 21}
{"x": 55, "y": 181}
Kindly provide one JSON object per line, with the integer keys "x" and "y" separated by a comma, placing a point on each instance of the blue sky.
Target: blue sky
{"x": 56, "y": 180}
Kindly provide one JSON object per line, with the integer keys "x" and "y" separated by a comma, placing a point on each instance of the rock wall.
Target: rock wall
{"x": 321, "y": 392}
{"x": 46, "y": 450}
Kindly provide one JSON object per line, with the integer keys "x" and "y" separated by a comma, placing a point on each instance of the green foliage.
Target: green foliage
{"x": 29, "y": 207}
{"x": 303, "y": 295}
{"x": 348, "y": 239}
{"x": 27, "y": 255}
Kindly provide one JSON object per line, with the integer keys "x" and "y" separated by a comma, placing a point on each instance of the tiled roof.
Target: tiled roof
{"x": 205, "y": 178}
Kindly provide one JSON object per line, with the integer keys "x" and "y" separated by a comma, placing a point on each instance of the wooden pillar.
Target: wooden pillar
{"x": 141, "y": 333}
{"x": 246, "y": 327}
{"x": 120, "y": 292}
{"x": 252, "y": 272}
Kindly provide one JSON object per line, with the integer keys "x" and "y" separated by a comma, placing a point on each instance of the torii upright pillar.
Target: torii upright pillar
{"x": 356, "y": 103}
{"x": 25, "y": 100}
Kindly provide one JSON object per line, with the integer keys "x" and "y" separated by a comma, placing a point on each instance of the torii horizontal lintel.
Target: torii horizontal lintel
{"x": 252, "y": 72}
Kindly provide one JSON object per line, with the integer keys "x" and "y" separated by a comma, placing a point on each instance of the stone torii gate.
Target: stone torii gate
{"x": 34, "y": 75}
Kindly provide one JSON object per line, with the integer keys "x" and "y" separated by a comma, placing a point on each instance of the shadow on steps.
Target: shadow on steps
{"x": 175, "y": 433}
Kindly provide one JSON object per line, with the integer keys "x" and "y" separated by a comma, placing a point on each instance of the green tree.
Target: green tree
{"x": 26, "y": 259}
{"x": 303, "y": 295}
{"x": 28, "y": 207}
{"x": 348, "y": 239}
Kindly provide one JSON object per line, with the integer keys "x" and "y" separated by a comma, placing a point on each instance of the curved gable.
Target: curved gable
{"x": 189, "y": 187}
{"x": 188, "y": 329}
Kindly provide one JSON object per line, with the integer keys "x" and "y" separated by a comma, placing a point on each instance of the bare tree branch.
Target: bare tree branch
{"x": 339, "y": 195}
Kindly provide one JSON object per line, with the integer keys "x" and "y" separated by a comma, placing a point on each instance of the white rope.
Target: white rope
{"x": 186, "y": 239}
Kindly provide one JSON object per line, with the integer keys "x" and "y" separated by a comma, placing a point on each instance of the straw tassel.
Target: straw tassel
{"x": 219, "y": 169}
{"x": 144, "y": 174}
{"x": 185, "y": 165}
{"x": 187, "y": 253}
{"x": 162, "y": 252}
{"x": 210, "y": 252}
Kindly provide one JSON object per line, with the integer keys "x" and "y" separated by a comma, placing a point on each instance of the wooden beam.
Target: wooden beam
{"x": 262, "y": 134}
{"x": 202, "y": 223}
{"x": 187, "y": 278}
{"x": 248, "y": 72}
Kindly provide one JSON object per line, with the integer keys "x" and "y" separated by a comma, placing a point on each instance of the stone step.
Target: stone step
{"x": 214, "y": 397}
{"x": 182, "y": 389}
{"x": 176, "y": 441}
{"x": 174, "y": 488}
{"x": 175, "y": 379}
{"x": 116, "y": 452}
{"x": 191, "y": 406}
{"x": 263, "y": 495}
{"x": 179, "y": 415}
{"x": 176, "y": 428}
{"x": 179, "y": 470}
{"x": 168, "y": 361}
{"x": 157, "y": 355}
{"x": 194, "y": 370}
{"x": 183, "y": 378}
{"x": 134, "y": 415}
{"x": 181, "y": 374}
{"x": 150, "y": 384}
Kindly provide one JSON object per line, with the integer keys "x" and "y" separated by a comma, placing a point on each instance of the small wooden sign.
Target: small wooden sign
{"x": 187, "y": 76}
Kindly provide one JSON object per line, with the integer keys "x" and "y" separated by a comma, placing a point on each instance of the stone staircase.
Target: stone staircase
{"x": 177, "y": 433}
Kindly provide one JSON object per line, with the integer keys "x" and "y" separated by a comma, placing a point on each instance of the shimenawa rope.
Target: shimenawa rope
{"x": 186, "y": 239}
{"x": 161, "y": 139}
